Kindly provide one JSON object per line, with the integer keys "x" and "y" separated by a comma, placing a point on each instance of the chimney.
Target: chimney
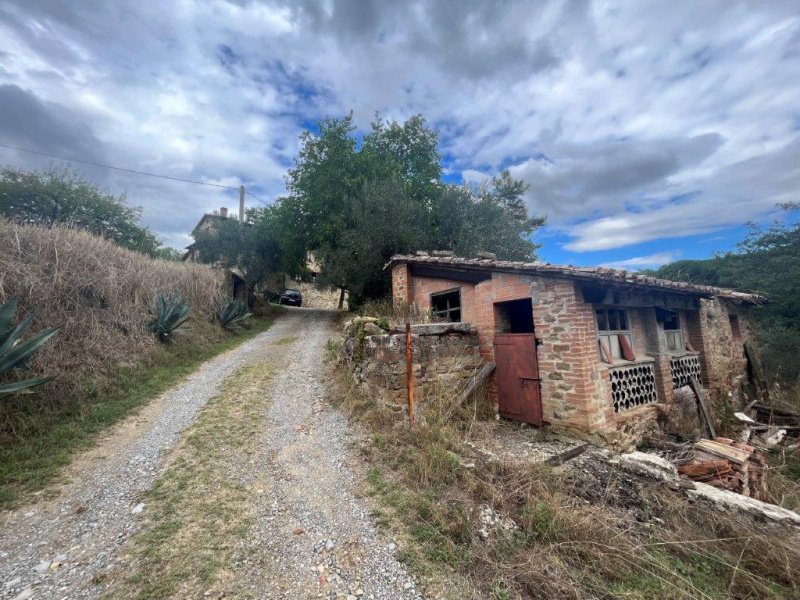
{"x": 224, "y": 212}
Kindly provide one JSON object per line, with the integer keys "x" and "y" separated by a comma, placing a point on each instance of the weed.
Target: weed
{"x": 35, "y": 456}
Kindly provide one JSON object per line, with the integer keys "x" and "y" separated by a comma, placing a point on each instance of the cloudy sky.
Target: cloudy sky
{"x": 647, "y": 130}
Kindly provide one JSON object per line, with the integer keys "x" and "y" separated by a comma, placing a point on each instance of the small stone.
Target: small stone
{"x": 138, "y": 508}
{"x": 42, "y": 566}
{"x": 24, "y": 594}
{"x": 298, "y": 530}
{"x": 407, "y": 585}
{"x": 329, "y": 545}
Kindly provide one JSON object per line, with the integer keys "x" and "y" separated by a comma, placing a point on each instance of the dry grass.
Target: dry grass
{"x": 100, "y": 294}
{"x": 584, "y": 531}
{"x": 105, "y": 361}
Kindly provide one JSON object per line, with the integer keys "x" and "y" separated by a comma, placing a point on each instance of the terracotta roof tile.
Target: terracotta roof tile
{"x": 570, "y": 272}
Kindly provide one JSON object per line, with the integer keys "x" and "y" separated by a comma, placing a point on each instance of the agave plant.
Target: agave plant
{"x": 233, "y": 312}
{"x": 170, "y": 313}
{"x": 15, "y": 353}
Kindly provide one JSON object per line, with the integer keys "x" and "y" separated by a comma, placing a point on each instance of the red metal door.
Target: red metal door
{"x": 518, "y": 385}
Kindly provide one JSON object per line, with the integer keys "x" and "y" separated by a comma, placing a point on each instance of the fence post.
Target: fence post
{"x": 412, "y": 409}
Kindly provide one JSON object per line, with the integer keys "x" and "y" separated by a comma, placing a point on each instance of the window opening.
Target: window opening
{"x": 447, "y": 305}
{"x": 614, "y": 340}
{"x": 515, "y": 316}
{"x": 671, "y": 326}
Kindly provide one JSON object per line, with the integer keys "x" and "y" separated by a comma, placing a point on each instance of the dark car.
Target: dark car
{"x": 291, "y": 297}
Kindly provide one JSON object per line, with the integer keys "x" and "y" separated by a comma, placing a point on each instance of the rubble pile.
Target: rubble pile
{"x": 727, "y": 464}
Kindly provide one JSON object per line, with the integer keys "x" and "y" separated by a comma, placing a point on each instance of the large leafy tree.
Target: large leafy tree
{"x": 354, "y": 205}
{"x": 251, "y": 246}
{"x": 767, "y": 261}
{"x": 62, "y": 196}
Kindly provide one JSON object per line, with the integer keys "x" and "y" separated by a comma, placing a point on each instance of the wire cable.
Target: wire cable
{"x": 94, "y": 164}
{"x": 264, "y": 202}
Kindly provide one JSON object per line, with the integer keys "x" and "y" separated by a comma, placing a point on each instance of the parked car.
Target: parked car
{"x": 291, "y": 297}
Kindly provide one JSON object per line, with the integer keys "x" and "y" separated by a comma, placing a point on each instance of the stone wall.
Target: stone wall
{"x": 445, "y": 355}
{"x": 315, "y": 296}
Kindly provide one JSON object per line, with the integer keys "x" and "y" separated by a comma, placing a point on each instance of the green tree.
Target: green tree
{"x": 766, "y": 261}
{"x": 355, "y": 205}
{"x": 62, "y": 196}
{"x": 252, "y": 246}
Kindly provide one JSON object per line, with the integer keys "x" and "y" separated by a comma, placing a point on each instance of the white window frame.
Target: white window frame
{"x": 611, "y": 335}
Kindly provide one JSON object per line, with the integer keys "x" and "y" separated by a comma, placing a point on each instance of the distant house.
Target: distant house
{"x": 590, "y": 349}
{"x": 314, "y": 296}
{"x": 235, "y": 282}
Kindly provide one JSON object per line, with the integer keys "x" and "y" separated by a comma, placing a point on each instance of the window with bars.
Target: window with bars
{"x": 614, "y": 340}
{"x": 447, "y": 305}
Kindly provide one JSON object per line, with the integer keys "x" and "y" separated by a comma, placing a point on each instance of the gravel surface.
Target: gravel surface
{"x": 313, "y": 536}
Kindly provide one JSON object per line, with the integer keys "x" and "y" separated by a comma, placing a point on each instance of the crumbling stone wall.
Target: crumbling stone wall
{"x": 723, "y": 359}
{"x": 445, "y": 355}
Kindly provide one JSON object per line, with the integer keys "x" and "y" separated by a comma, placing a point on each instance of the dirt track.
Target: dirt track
{"x": 311, "y": 535}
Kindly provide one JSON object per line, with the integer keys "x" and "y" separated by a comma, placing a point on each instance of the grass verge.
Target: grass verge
{"x": 199, "y": 508}
{"x": 580, "y": 531}
{"x": 34, "y": 458}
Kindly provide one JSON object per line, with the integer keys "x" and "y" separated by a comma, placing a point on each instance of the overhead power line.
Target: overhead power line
{"x": 94, "y": 164}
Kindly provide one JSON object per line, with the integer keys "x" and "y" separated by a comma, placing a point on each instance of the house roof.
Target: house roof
{"x": 204, "y": 218}
{"x": 599, "y": 274}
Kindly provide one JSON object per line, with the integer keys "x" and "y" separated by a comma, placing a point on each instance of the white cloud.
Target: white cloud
{"x": 651, "y": 261}
{"x": 608, "y": 109}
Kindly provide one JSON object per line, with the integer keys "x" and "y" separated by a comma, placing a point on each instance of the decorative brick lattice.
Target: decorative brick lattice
{"x": 632, "y": 386}
{"x": 683, "y": 369}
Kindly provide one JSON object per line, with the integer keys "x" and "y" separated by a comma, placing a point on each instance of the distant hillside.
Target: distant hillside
{"x": 768, "y": 261}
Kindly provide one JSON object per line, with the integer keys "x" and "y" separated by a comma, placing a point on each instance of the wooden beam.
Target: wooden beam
{"x": 412, "y": 406}
{"x": 699, "y": 393}
{"x": 474, "y": 383}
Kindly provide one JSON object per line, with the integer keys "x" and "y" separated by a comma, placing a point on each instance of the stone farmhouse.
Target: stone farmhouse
{"x": 314, "y": 296}
{"x": 592, "y": 350}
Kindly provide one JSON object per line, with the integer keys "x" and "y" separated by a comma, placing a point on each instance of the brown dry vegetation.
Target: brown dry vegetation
{"x": 584, "y": 530}
{"x": 99, "y": 293}
{"x": 105, "y": 360}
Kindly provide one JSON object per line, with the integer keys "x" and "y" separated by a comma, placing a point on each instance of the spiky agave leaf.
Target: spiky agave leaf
{"x": 232, "y": 313}
{"x": 171, "y": 312}
{"x": 14, "y": 353}
{"x": 17, "y": 355}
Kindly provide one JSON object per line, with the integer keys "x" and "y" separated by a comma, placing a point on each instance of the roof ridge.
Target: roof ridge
{"x": 598, "y": 273}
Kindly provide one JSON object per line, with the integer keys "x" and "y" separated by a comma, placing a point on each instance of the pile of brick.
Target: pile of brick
{"x": 727, "y": 464}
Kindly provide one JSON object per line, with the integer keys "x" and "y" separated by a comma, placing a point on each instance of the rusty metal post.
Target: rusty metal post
{"x": 412, "y": 409}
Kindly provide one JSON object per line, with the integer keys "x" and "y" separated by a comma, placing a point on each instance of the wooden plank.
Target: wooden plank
{"x": 472, "y": 387}
{"x": 699, "y": 393}
{"x": 730, "y": 453}
{"x": 627, "y": 351}
{"x": 755, "y": 368}
{"x": 563, "y": 457}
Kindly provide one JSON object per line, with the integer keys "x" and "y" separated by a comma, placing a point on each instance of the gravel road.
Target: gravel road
{"x": 313, "y": 536}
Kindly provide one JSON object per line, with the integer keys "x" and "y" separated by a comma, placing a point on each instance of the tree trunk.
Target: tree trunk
{"x": 341, "y": 298}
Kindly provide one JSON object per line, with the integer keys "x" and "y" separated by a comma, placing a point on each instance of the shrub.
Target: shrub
{"x": 170, "y": 313}
{"x": 15, "y": 353}
{"x": 233, "y": 313}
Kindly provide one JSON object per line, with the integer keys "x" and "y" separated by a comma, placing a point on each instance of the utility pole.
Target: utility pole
{"x": 241, "y": 204}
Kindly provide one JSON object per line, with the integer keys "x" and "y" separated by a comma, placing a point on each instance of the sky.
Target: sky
{"x": 648, "y": 131}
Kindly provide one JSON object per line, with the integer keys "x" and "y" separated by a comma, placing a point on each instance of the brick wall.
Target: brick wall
{"x": 576, "y": 391}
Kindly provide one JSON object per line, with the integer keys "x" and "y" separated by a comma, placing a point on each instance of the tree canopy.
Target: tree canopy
{"x": 62, "y": 196}
{"x": 766, "y": 261}
{"x": 354, "y": 205}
